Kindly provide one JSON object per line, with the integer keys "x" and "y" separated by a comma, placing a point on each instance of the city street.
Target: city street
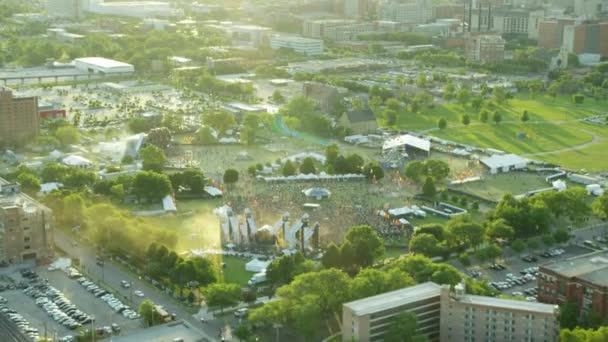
{"x": 112, "y": 276}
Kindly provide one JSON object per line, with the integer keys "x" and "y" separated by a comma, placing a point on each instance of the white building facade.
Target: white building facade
{"x": 307, "y": 46}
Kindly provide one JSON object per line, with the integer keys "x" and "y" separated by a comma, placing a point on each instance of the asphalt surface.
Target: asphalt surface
{"x": 9, "y": 332}
{"x": 111, "y": 276}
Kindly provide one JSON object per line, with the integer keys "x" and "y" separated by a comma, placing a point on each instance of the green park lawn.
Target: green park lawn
{"x": 540, "y": 108}
{"x": 234, "y": 272}
{"x": 493, "y": 187}
{"x": 592, "y": 158}
{"x": 539, "y": 137}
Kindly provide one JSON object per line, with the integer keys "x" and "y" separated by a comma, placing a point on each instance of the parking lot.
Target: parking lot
{"x": 51, "y": 303}
{"x": 516, "y": 276}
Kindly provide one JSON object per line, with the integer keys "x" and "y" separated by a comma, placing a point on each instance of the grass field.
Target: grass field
{"x": 539, "y": 137}
{"x": 593, "y": 158}
{"x": 542, "y": 108}
{"x": 234, "y": 272}
{"x": 493, "y": 187}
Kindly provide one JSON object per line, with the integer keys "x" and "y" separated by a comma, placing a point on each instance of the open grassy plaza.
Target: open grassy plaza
{"x": 493, "y": 187}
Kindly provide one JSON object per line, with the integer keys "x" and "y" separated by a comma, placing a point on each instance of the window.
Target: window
{"x": 26, "y": 239}
{"x": 26, "y": 247}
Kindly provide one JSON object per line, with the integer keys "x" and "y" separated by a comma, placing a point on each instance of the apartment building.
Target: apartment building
{"x": 551, "y": 32}
{"x": 412, "y": 11}
{"x": 339, "y": 30}
{"x": 357, "y": 8}
{"x": 445, "y": 315}
{"x": 26, "y": 226}
{"x": 582, "y": 279}
{"x": 507, "y": 20}
{"x": 368, "y": 319}
{"x": 484, "y": 47}
{"x": 472, "y": 318}
{"x": 19, "y": 121}
{"x": 307, "y": 46}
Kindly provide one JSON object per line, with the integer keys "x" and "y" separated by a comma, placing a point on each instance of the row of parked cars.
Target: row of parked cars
{"x": 58, "y": 306}
{"x": 22, "y": 323}
{"x": 109, "y": 298}
{"x": 512, "y": 281}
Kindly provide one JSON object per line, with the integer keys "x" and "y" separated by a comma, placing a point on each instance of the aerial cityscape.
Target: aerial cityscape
{"x": 303, "y": 170}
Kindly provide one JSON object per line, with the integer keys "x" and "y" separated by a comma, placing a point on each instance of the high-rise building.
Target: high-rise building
{"x": 551, "y": 32}
{"x": 479, "y": 318}
{"x": 69, "y": 9}
{"x": 408, "y": 11}
{"x": 587, "y": 38}
{"x": 356, "y": 8}
{"x": 484, "y": 47}
{"x": 582, "y": 279}
{"x": 19, "y": 121}
{"x": 26, "y": 226}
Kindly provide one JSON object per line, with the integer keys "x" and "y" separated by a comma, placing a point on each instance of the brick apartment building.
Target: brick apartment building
{"x": 582, "y": 279}
{"x": 587, "y": 38}
{"x": 551, "y": 32}
{"x": 26, "y": 226}
{"x": 19, "y": 120}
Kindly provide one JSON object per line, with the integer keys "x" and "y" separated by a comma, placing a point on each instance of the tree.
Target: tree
{"x": 442, "y": 123}
{"x": 561, "y": 235}
{"x": 366, "y": 243}
{"x": 277, "y": 97}
{"x": 370, "y": 282}
{"x": 288, "y": 169}
{"x": 282, "y": 270}
{"x": 463, "y": 97}
{"x": 497, "y": 117}
{"x": 446, "y": 274}
{"x": 518, "y": 246}
{"x": 153, "y": 158}
{"x": 428, "y": 189}
{"x": 415, "y": 170}
{"x": 525, "y": 116}
{"x": 79, "y": 178}
{"x": 489, "y": 252}
{"x": 373, "y": 170}
{"x": 172, "y": 122}
{"x": 600, "y": 206}
{"x": 75, "y": 214}
{"x": 308, "y": 166}
{"x": 222, "y": 295}
{"x": 576, "y": 98}
{"x": 299, "y": 107}
{"x": 404, "y": 329}
{"x": 438, "y": 169}
{"x": 221, "y": 121}
{"x": 151, "y": 186}
{"x": 331, "y": 257}
{"x": 231, "y": 176}
{"x": 53, "y": 172}
{"x": 421, "y": 80}
{"x": 484, "y": 116}
{"x": 354, "y": 163}
{"x": 29, "y": 183}
{"x": 393, "y": 104}
{"x": 499, "y": 229}
{"x": 243, "y": 332}
{"x": 67, "y": 135}
{"x": 435, "y": 229}
{"x": 390, "y": 116}
{"x": 466, "y": 119}
{"x": 464, "y": 232}
{"x": 148, "y": 313}
{"x": 584, "y": 335}
{"x": 159, "y": 137}
{"x": 568, "y": 315}
{"x": 499, "y": 94}
{"x": 205, "y": 136}
{"x": 425, "y": 244}
{"x": 331, "y": 153}
{"x": 449, "y": 91}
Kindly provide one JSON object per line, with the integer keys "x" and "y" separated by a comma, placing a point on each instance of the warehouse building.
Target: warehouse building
{"x": 504, "y": 163}
{"x": 100, "y": 65}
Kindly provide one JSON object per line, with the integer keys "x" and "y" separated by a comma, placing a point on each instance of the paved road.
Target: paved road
{"x": 112, "y": 276}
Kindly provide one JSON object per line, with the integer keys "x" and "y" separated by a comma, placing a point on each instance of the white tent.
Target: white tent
{"x": 559, "y": 185}
{"x": 256, "y": 265}
{"x": 407, "y": 140}
{"x": 169, "y": 204}
{"x": 213, "y": 191}
{"x": 506, "y": 162}
{"x": 77, "y": 161}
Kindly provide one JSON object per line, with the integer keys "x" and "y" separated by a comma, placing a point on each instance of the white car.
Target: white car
{"x": 138, "y": 293}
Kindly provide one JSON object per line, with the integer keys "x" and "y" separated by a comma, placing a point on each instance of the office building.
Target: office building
{"x": 134, "y": 9}
{"x": 410, "y": 11}
{"x": 67, "y": 9}
{"x": 339, "y": 30}
{"x": 26, "y": 226}
{"x": 586, "y": 38}
{"x": 479, "y": 318}
{"x": 505, "y": 20}
{"x": 581, "y": 279}
{"x": 551, "y": 32}
{"x": 368, "y": 319}
{"x": 484, "y": 47}
{"x": 356, "y": 8}
{"x": 253, "y": 34}
{"x": 307, "y": 46}
{"x": 19, "y": 121}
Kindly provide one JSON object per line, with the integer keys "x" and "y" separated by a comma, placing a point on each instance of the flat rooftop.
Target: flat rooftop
{"x": 394, "y": 299}
{"x": 592, "y": 267}
{"x": 164, "y": 333}
{"x": 102, "y": 62}
{"x": 508, "y": 304}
